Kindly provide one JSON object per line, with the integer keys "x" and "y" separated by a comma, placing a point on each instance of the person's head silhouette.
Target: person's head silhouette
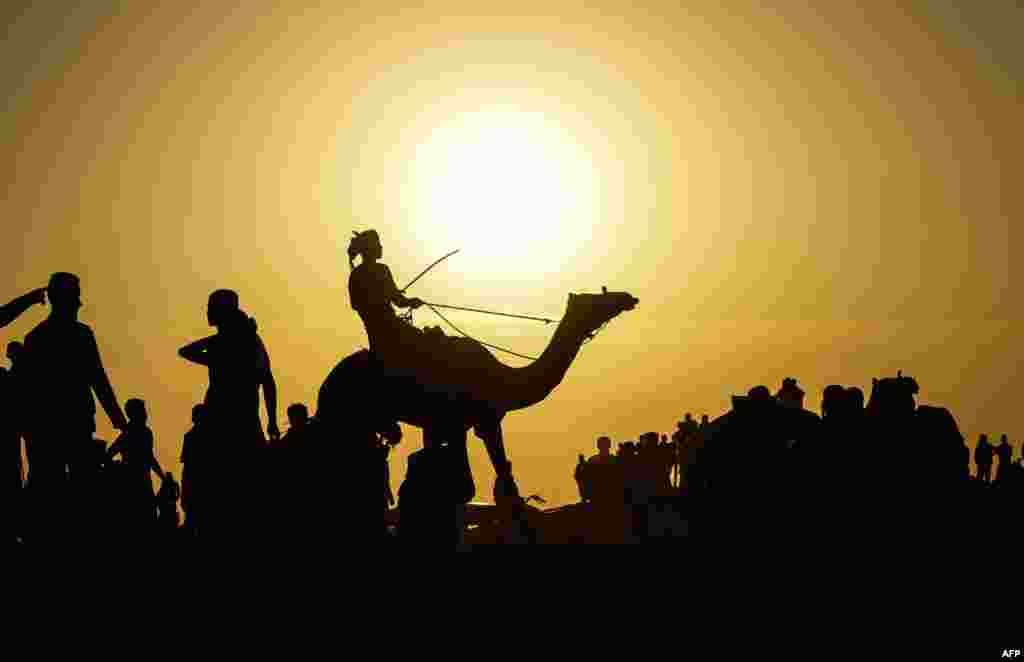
{"x": 604, "y": 444}
{"x": 760, "y": 394}
{"x": 222, "y": 307}
{"x": 834, "y": 400}
{"x": 135, "y": 409}
{"x": 367, "y": 244}
{"x": 790, "y": 395}
{"x": 65, "y": 293}
{"x": 298, "y": 415}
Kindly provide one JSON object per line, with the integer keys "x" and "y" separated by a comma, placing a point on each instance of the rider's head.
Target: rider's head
{"x": 367, "y": 244}
{"x": 604, "y": 444}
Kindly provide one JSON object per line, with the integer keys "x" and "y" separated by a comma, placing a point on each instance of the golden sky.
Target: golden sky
{"x": 824, "y": 193}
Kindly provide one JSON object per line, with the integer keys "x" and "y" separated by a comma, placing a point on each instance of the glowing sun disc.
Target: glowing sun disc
{"x": 505, "y": 186}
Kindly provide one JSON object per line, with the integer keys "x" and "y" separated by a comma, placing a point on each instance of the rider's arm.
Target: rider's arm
{"x": 395, "y": 296}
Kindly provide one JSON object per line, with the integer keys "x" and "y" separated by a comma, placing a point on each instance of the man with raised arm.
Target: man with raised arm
{"x": 58, "y": 374}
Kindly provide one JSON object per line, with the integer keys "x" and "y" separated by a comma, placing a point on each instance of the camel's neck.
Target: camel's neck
{"x": 533, "y": 383}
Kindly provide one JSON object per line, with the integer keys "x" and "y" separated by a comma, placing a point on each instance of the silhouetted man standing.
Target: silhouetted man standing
{"x": 1005, "y": 454}
{"x": 983, "y": 459}
{"x": 60, "y": 371}
{"x": 135, "y": 445}
{"x": 239, "y": 368}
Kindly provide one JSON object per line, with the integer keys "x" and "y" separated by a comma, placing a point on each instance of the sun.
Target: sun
{"x": 506, "y": 186}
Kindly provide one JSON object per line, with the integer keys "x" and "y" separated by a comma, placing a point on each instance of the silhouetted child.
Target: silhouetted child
{"x": 298, "y": 420}
{"x": 192, "y": 449}
{"x": 135, "y": 446}
{"x": 983, "y": 459}
{"x": 167, "y": 504}
{"x": 580, "y": 476}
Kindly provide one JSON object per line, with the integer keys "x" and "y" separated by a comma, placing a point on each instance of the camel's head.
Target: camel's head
{"x": 590, "y": 311}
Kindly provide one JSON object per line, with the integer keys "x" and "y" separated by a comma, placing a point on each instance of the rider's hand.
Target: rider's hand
{"x": 415, "y": 303}
{"x": 38, "y": 295}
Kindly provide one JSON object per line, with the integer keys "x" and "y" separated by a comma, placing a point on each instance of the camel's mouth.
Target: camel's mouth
{"x": 631, "y": 302}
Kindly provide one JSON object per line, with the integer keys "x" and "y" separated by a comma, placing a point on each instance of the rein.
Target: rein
{"x": 434, "y": 307}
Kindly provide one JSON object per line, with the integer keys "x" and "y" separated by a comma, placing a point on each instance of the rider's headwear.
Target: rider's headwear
{"x": 360, "y": 243}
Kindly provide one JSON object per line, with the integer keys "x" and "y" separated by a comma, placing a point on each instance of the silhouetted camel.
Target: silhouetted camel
{"x": 470, "y": 387}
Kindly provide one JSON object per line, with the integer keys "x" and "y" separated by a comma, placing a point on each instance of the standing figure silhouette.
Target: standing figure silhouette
{"x": 983, "y": 455}
{"x": 195, "y": 472}
{"x": 59, "y": 371}
{"x": 239, "y": 367}
{"x": 135, "y": 446}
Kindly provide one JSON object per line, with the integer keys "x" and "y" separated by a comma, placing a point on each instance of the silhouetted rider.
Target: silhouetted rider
{"x": 372, "y": 293}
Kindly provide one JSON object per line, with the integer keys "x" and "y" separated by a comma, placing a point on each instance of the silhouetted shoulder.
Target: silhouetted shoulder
{"x": 371, "y": 272}
{"x": 79, "y": 329}
{"x": 370, "y": 283}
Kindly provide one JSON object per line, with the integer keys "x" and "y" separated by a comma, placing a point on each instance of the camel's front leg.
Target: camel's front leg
{"x": 505, "y": 489}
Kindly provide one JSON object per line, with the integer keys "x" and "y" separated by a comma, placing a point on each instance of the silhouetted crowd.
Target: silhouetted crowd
{"x": 236, "y": 486}
{"x": 769, "y": 467}
{"x": 879, "y": 469}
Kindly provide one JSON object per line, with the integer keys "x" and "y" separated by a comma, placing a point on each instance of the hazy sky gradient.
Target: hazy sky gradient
{"x": 822, "y": 193}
